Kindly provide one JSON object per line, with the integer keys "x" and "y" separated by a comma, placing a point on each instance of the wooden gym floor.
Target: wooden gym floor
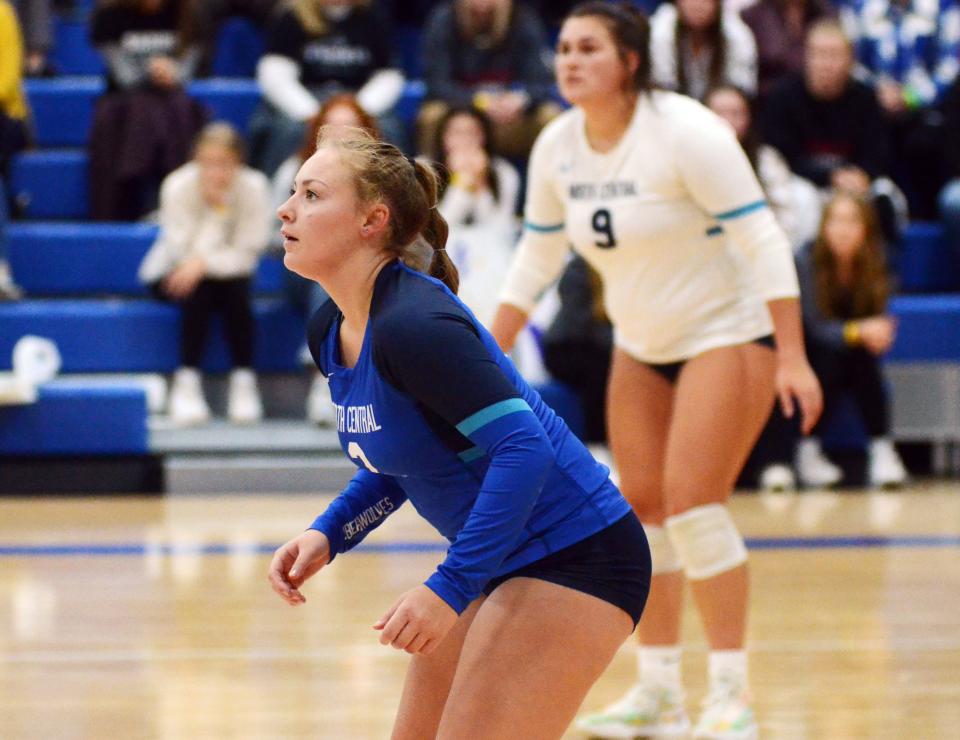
{"x": 152, "y": 618}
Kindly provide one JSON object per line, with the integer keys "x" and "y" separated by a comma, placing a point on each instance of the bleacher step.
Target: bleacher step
{"x": 221, "y": 438}
{"x": 205, "y": 474}
{"x": 274, "y": 455}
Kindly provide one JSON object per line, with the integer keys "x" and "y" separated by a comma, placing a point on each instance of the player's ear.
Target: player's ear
{"x": 376, "y": 219}
{"x": 632, "y": 62}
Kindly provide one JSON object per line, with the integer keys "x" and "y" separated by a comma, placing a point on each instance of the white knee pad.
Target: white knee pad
{"x": 662, "y": 553}
{"x": 707, "y": 541}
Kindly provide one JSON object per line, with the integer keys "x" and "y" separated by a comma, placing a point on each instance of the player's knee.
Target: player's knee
{"x": 646, "y": 499}
{"x": 663, "y": 555}
{"x": 706, "y": 540}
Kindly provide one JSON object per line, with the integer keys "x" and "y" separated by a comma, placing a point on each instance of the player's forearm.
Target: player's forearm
{"x": 788, "y": 328}
{"x": 507, "y": 324}
{"x": 521, "y": 458}
{"x": 361, "y": 507}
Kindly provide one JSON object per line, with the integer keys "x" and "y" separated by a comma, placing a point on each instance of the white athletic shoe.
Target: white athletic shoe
{"x": 727, "y": 715}
{"x": 645, "y": 711}
{"x": 884, "y": 467}
{"x": 778, "y": 477}
{"x": 320, "y": 408}
{"x": 186, "y": 404}
{"x": 815, "y": 470}
{"x": 243, "y": 398}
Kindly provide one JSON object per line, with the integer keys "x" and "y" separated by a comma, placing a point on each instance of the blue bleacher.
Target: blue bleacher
{"x": 928, "y": 328}
{"x": 928, "y": 331}
{"x": 63, "y": 106}
{"x": 51, "y": 183}
{"x": 239, "y": 46}
{"x": 71, "y": 419}
{"x": 926, "y": 264}
{"x": 129, "y": 336}
{"x": 72, "y": 53}
{"x": 61, "y": 259}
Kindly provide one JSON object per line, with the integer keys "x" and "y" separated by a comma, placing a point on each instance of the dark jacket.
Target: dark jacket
{"x": 455, "y": 68}
{"x": 818, "y": 136}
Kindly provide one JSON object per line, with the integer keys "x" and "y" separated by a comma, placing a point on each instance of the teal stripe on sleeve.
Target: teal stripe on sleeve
{"x": 542, "y": 229}
{"x": 491, "y": 413}
{"x": 741, "y": 211}
{"x": 474, "y": 453}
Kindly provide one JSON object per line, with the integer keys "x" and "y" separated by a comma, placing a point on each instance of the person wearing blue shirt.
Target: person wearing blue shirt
{"x": 548, "y": 568}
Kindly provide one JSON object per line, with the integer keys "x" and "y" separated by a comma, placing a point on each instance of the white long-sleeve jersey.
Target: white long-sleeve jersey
{"x": 672, "y": 218}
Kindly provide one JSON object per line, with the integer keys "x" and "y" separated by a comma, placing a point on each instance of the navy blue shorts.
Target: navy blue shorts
{"x": 670, "y": 370}
{"x": 613, "y": 565}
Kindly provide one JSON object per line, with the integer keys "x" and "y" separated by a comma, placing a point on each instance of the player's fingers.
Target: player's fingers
{"x": 405, "y": 636}
{"x": 382, "y": 622}
{"x": 277, "y": 575}
{"x": 786, "y": 402}
{"x": 416, "y": 644}
{"x": 428, "y": 647}
{"x": 812, "y": 407}
{"x": 392, "y": 628}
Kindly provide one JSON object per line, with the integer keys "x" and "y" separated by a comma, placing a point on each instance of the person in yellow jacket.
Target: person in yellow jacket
{"x": 13, "y": 116}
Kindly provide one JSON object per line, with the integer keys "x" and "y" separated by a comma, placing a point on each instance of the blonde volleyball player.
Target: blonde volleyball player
{"x": 655, "y": 192}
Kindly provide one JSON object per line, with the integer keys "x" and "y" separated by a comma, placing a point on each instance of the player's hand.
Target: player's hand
{"x": 295, "y": 562}
{"x": 417, "y": 622}
{"x": 185, "y": 278}
{"x": 163, "y": 72}
{"x": 797, "y": 385}
{"x": 878, "y": 333}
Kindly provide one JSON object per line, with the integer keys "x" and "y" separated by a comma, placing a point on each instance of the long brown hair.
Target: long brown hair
{"x": 345, "y": 100}
{"x": 868, "y": 294}
{"x": 630, "y": 30}
{"x": 718, "y": 49}
{"x": 381, "y": 172}
{"x": 439, "y": 154}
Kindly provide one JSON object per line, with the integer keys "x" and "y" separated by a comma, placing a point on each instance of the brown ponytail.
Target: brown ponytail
{"x": 408, "y": 187}
{"x": 436, "y": 230}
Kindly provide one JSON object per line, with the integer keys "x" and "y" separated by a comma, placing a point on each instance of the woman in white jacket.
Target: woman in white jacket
{"x": 215, "y": 216}
{"x": 696, "y": 45}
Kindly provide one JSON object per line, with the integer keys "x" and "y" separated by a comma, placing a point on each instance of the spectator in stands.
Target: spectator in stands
{"x": 207, "y": 18}
{"x": 144, "y": 125}
{"x": 479, "y": 203}
{"x": 316, "y": 48}
{"x": 909, "y": 50}
{"x": 695, "y": 45}
{"x": 13, "y": 127}
{"x": 779, "y": 28}
{"x": 830, "y": 128}
{"x": 844, "y": 288}
{"x": 950, "y": 195}
{"x": 795, "y": 201}
{"x": 482, "y": 187}
{"x": 215, "y": 218}
{"x": 490, "y": 54}
{"x": 305, "y": 295}
{"x": 577, "y": 345}
{"x": 36, "y": 20}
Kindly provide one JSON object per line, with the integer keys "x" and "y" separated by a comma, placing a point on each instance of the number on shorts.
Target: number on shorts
{"x": 353, "y": 449}
{"x": 603, "y": 224}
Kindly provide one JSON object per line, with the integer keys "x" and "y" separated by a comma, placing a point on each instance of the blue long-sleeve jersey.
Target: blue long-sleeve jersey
{"x": 435, "y": 412}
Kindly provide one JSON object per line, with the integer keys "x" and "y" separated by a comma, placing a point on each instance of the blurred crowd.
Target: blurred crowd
{"x": 848, "y": 111}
